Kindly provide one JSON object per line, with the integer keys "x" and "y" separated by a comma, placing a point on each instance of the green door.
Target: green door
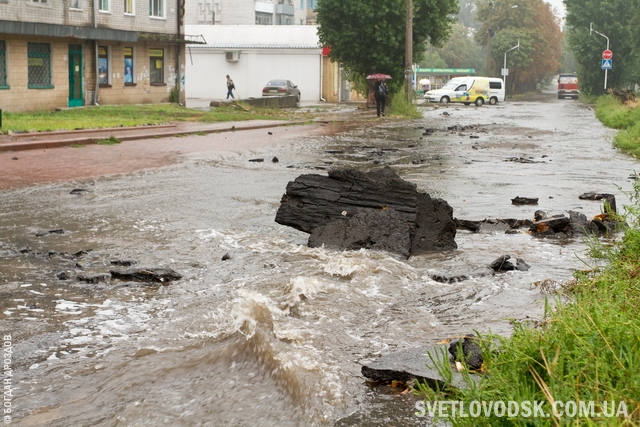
{"x": 75, "y": 75}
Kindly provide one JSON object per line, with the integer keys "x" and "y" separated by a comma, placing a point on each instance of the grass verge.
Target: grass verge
{"x": 109, "y": 116}
{"x": 625, "y": 117}
{"x": 578, "y": 366}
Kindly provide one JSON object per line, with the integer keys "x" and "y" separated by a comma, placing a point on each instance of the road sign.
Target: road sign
{"x": 607, "y": 54}
{"x": 607, "y": 64}
{"x": 504, "y": 72}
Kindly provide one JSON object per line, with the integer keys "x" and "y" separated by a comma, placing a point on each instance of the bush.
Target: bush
{"x": 625, "y": 117}
{"x": 399, "y": 106}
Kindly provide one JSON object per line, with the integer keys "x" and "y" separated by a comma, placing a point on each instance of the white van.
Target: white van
{"x": 496, "y": 90}
{"x": 467, "y": 90}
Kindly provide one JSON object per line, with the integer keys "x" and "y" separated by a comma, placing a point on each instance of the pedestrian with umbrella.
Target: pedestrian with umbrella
{"x": 380, "y": 91}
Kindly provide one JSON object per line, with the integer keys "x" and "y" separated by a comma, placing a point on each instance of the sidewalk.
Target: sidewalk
{"x": 43, "y": 140}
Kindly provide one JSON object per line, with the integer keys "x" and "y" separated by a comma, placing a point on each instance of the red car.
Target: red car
{"x": 568, "y": 86}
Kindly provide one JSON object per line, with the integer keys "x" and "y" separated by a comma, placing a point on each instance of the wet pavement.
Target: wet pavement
{"x": 41, "y": 157}
{"x": 262, "y": 330}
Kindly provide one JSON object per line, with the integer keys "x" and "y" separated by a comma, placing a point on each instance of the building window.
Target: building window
{"x": 128, "y": 66}
{"x": 3, "y": 64}
{"x": 103, "y": 5}
{"x": 264, "y": 18}
{"x": 39, "y": 1}
{"x": 156, "y": 65}
{"x": 103, "y": 65}
{"x": 156, "y": 8}
{"x": 39, "y": 65}
{"x": 75, "y": 4}
{"x": 284, "y": 20}
{"x": 128, "y": 7}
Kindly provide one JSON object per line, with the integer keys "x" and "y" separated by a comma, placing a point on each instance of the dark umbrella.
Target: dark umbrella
{"x": 378, "y": 76}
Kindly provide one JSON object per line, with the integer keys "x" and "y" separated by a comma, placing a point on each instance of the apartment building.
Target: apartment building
{"x": 251, "y": 12}
{"x": 67, "y": 53}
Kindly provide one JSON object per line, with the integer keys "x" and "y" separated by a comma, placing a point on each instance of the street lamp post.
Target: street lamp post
{"x": 505, "y": 72}
{"x": 591, "y": 30}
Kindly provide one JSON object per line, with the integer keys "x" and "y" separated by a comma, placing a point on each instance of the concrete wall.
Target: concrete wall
{"x": 206, "y": 76}
{"x": 269, "y": 102}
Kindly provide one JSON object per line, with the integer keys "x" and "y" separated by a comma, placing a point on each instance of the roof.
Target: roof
{"x": 256, "y": 36}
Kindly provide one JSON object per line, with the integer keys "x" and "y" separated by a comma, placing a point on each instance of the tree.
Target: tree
{"x": 369, "y": 37}
{"x": 432, "y": 59}
{"x": 467, "y": 14}
{"x": 530, "y": 22}
{"x": 461, "y": 51}
{"x": 615, "y": 19}
{"x": 568, "y": 62}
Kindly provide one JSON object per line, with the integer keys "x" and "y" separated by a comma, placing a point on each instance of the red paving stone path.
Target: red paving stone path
{"x": 28, "y": 167}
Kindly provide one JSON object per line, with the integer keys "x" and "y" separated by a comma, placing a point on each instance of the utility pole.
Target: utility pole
{"x": 488, "y": 71}
{"x": 408, "y": 53}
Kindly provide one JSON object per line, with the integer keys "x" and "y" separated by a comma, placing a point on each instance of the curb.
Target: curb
{"x": 55, "y": 143}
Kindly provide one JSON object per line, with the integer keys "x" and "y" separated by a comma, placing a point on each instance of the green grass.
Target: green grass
{"x": 626, "y": 118}
{"x": 586, "y": 349}
{"x": 112, "y": 140}
{"x": 135, "y": 115}
{"x": 399, "y": 106}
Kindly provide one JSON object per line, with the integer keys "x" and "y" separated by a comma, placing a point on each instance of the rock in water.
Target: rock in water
{"x": 313, "y": 201}
{"x": 378, "y": 230}
{"x": 145, "y": 274}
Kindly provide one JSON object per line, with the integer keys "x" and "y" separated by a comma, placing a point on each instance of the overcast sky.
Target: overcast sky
{"x": 557, "y": 4}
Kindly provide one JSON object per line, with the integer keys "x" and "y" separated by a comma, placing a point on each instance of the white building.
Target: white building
{"x": 250, "y": 12}
{"x": 252, "y": 55}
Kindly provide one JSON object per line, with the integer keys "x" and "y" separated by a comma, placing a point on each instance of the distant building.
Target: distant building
{"x": 251, "y": 12}
{"x": 252, "y": 55}
{"x": 66, "y": 53}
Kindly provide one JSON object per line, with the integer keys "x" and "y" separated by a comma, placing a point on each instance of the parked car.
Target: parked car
{"x": 281, "y": 87}
{"x": 568, "y": 86}
{"x": 468, "y": 90}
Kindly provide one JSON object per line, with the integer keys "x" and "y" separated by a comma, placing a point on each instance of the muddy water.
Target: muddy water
{"x": 276, "y": 334}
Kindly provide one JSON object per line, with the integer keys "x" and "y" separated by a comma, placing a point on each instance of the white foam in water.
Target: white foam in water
{"x": 70, "y": 307}
{"x": 342, "y": 266}
{"x": 302, "y": 286}
{"x": 229, "y": 239}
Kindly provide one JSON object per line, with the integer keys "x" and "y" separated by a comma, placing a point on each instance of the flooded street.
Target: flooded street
{"x": 276, "y": 333}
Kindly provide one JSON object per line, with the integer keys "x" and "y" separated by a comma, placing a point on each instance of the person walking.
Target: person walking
{"x": 230, "y": 87}
{"x": 381, "y": 92}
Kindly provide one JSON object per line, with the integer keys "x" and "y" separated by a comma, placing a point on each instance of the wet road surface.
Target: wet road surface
{"x": 275, "y": 334}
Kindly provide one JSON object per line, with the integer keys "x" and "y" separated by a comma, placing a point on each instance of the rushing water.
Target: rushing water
{"x": 276, "y": 334}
